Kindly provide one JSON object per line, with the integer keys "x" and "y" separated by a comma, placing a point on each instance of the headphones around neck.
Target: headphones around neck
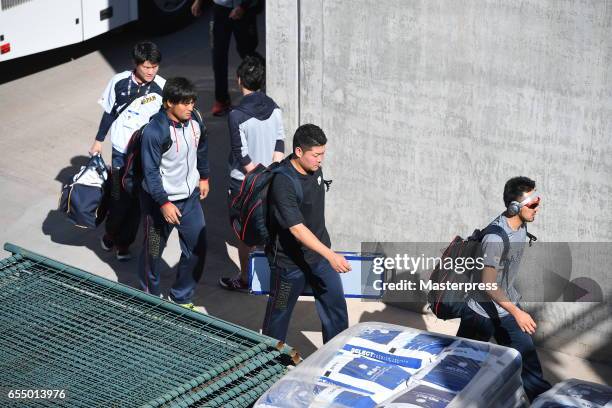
{"x": 515, "y": 207}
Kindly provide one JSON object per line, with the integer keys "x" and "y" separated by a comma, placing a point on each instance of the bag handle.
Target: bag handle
{"x": 96, "y": 162}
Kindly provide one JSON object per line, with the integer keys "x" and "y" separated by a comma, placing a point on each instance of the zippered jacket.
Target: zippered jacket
{"x": 174, "y": 157}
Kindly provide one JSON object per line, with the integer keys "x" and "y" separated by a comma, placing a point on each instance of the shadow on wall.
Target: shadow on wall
{"x": 603, "y": 352}
{"x": 588, "y": 319}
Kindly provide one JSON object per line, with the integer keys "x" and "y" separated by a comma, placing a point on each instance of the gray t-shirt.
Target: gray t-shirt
{"x": 507, "y": 270}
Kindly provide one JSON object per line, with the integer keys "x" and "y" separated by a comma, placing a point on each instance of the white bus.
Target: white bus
{"x": 31, "y": 26}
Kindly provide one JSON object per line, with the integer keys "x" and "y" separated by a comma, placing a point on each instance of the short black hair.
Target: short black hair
{"x": 252, "y": 72}
{"x": 516, "y": 187}
{"x": 179, "y": 90}
{"x": 308, "y": 136}
{"x": 146, "y": 51}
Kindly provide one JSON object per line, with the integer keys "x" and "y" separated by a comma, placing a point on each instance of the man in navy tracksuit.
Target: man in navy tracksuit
{"x": 175, "y": 167}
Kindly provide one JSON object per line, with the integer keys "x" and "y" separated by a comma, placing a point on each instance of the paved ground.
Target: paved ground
{"x": 48, "y": 119}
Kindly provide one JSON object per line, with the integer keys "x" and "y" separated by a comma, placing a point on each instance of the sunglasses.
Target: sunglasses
{"x": 533, "y": 205}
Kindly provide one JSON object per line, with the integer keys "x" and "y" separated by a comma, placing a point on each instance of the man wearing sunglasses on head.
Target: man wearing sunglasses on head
{"x": 497, "y": 313}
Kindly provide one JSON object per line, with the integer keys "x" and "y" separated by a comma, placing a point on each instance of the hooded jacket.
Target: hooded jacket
{"x": 256, "y": 132}
{"x": 174, "y": 157}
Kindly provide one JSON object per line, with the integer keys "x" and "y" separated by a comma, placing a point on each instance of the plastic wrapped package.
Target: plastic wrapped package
{"x": 382, "y": 365}
{"x": 410, "y": 350}
{"x": 363, "y": 374}
{"x": 423, "y": 396}
{"x": 299, "y": 394}
{"x": 466, "y": 374}
{"x": 575, "y": 394}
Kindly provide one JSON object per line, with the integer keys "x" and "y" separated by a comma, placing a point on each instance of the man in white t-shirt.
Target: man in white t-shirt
{"x": 129, "y": 101}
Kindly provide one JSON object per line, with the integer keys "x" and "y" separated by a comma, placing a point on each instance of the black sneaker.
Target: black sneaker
{"x": 106, "y": 243}
{"x": 235, "y": 284}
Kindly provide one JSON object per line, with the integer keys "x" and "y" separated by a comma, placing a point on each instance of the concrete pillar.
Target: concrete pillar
{"x": 431, "y": 105}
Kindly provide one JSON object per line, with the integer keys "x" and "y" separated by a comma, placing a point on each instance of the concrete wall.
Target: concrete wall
{"x": 430, "y": 106}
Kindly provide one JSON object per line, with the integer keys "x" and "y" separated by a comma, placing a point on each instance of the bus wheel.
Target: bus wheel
{"x": 163, "y": 16}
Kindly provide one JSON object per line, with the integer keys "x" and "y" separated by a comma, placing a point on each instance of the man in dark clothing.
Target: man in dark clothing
{"x": 175, "y": 168}
{"x": 497, "y": 312}
{"x": 236, "y": 17}
{"x": 301, "y": 251}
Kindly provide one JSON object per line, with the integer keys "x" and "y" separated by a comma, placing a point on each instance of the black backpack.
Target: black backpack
{"x": 448, "y": 304}
{"x": 249, "y": 209}
{"x": 132, "y": 172}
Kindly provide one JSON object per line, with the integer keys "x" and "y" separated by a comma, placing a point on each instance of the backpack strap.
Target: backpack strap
{"x": 197, "y": 115}
{"x": 282, "y": 168}
{"x": 532, "y": 238}
{"x": 497, "y": 230}
{"x": 328, "y": 184}
{"x": 119, "y": 111}
{"x": 286, "y": 171}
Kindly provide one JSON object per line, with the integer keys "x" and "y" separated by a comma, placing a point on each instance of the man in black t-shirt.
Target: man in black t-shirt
{"x": 300, "y": 252}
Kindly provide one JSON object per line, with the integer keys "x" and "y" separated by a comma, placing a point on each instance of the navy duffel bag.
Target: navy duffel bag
{"x": 85, "y": 200}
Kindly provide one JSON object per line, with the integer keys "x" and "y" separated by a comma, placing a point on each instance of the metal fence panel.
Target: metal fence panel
{"x": 107, "y": 344}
